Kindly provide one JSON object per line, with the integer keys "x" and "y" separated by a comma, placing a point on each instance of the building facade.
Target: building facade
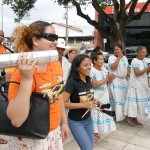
{"x": 136, "y": 33}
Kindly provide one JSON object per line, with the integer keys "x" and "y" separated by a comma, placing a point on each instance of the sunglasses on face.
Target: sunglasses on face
{"x": 49, "y": 37}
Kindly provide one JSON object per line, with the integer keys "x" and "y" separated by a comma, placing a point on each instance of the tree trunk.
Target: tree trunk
{"x": 119, "y": 36}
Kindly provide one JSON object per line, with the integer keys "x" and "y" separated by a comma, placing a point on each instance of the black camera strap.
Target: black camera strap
{"x": 8, "y": 49}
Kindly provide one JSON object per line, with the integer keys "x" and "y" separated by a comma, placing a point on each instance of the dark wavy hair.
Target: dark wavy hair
{"x": 74, "y": 72}
{"x": 120, "y": 46}
{"x": 94, "y": 56}
{"x": 97, "y": 49}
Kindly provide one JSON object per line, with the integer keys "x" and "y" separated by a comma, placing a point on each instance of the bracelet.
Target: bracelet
{"x": 65, "y": 123}
{"x": 98, "y": 105}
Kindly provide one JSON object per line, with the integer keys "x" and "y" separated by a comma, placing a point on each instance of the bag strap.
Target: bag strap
{"x": 8, "y": 49}
{"x": 8, "y": 82}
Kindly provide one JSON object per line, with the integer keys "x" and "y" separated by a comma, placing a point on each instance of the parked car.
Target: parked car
{"x": 106, "y": 56}
{"x": 131, "y": 53}
{"x": 90, "y": 50}
{"x": 86, "y": 51}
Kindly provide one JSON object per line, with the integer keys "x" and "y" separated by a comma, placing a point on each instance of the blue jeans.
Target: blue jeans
{"x": 83, "y": 133}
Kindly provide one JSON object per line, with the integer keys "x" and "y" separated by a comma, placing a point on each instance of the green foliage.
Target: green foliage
{"x": 20, "y": 7}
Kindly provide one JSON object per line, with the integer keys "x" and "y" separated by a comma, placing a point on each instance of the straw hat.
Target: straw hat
{"x": 61, "y": 43}
{"x": 71, "y": 48}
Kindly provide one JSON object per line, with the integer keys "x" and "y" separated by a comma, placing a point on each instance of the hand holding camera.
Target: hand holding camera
{"x": 108, "y": 112}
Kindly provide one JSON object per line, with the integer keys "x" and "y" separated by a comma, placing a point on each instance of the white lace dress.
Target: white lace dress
{"x": 102, "y": 122}
{"x": 66, "y": 66}
{"x": 119, "y": 86}
{"x": 138, "y": 92}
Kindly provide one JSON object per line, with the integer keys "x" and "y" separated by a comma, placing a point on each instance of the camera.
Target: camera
{"x": 105, "y": 106}
{"x": 108, "y": 112}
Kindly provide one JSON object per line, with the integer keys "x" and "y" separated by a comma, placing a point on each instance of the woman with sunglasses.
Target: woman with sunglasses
{"x": 40, "y": 78}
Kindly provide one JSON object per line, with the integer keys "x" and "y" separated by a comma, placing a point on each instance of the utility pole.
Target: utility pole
{"x": 1, "y": 6}
{"x": 66, "y": 17}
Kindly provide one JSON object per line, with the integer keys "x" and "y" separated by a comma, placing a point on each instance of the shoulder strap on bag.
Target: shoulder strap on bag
{"x": 8, "y": 49}
{"x": 2, "y": 85}
{"x": 8, "y": 82}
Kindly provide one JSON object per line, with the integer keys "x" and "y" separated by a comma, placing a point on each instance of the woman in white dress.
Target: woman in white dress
{"x": 102, "y": 122}
{"x": 118, "y": 64}
{"x": 138, "y": 92}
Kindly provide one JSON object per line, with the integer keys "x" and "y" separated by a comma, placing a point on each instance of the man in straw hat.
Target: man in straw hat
{"x": 61, "y": 46}
{"x": 71, "y": 52}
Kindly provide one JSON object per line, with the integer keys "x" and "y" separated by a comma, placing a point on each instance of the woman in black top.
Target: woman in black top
{"x": 80, "y": 93}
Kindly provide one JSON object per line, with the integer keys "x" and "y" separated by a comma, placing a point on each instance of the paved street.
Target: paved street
{"x": 125, "y": 138}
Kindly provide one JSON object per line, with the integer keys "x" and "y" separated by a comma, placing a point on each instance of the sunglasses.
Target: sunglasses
{"x": 1, "y": 35}
{"x": 49, "y": 36}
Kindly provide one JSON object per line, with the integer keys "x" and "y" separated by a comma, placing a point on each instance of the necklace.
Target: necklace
{"x": 47, "y": 83}
{"x": 89, "y": 95}
{"x": 83, "y": 86}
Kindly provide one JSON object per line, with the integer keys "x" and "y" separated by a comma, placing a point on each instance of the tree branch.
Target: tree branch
{"x": 122, "y": 12}
{"x": 116, "y": 9}
{"x": 131, "y": 12}
{"x": 138, "y": 16}
{"x": 101, "y": 11}
{"x": 90, "y": 21}
{"x": 122, "y": 5}
{"x": 128, "y": 4}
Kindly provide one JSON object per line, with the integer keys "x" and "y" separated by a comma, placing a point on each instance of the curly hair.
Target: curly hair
{"x": 23, "y": 35}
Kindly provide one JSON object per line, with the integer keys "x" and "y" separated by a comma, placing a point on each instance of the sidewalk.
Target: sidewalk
{"x": 125, "y": 138}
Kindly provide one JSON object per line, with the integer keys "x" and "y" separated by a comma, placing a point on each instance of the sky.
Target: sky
{"x": 49, "y": 11}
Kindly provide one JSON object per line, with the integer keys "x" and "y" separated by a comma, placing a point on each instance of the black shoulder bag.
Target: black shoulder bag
{"x": 36, "y": 125}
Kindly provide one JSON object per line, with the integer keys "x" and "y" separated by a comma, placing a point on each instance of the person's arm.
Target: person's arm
{"x": 18, "y": 108}
{"x": 128, "y": 73}
{"x": 115, "y": 64}
{"x": 111, "y": 77}
{"x": 65, "y": 128}
{"x": 87, "y": 105}
{"x": 98, "y": 83}
{"x": 138, "y": 72}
